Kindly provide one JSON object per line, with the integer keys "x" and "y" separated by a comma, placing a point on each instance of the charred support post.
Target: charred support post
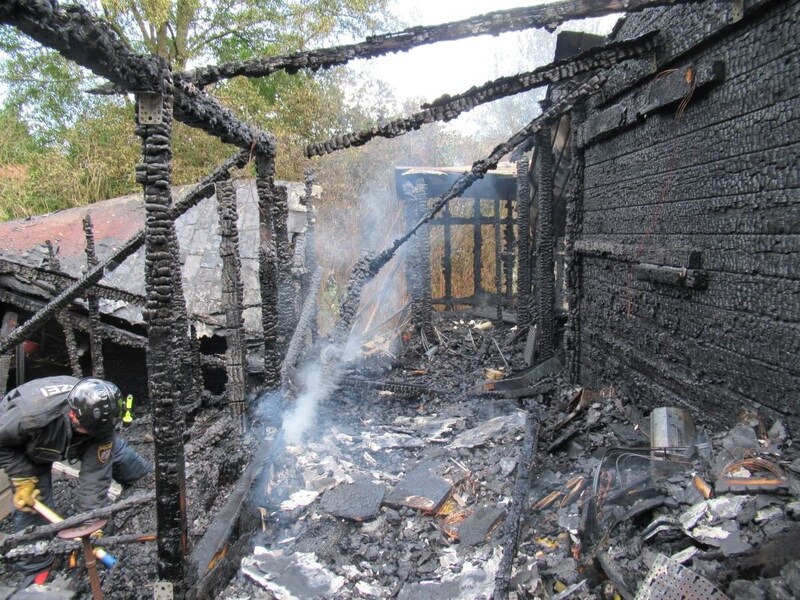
{"x": 420, "y": 263}
{"x": 303, "y": 331}
{"x": 498, "y": 259}
{"x": 447, "y": 256}
{"x": 95, "y": 339}
{"x": 574, "y": 262}
{"x": 283, "y": 251}
{"x": 508, "y": 252}
{"x": 63, "y": 317}
{"x": 232, "y": 300}
{"x": 545, "y": 276}
{"x": 524, "y": 317}
{"x": 168, "y": 420}
{"x": 268, "y": 277}
{"x": 477, "y": 248}
{"x": 311, "y": 244}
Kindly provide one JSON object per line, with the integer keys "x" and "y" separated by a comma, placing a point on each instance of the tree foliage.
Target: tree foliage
{"x": 76, "y": 148}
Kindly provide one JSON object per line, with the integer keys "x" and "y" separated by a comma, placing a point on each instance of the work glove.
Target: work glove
{"x": 25, "y": 493}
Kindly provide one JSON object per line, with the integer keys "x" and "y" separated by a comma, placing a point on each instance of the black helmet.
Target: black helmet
{"x": 96, "y": 405}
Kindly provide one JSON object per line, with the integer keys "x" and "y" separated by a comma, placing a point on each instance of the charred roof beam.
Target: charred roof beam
{"x": 449, "y": 107}
{"x": 81, "y": 37}
{"x": 548, "y": 16}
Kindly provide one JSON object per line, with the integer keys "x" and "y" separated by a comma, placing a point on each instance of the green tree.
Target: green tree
{"x": 71, "y": 130}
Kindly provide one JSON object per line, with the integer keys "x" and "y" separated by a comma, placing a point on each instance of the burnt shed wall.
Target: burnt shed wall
{"x": 715, "y": 191}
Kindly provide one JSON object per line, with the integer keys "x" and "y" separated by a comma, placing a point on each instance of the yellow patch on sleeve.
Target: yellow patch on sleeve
{"x": 104, "y": 452}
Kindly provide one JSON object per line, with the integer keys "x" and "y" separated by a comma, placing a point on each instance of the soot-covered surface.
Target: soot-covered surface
{"x": 406, "y": 495}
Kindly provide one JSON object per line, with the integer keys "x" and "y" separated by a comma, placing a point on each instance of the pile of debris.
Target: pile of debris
{"x": 412, "y": 495}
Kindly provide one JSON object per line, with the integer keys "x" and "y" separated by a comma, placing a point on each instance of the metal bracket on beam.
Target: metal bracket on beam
{"x": 149, "y": 108}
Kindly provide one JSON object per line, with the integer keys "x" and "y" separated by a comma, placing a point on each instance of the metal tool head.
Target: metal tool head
{"x": 82, "y": 530}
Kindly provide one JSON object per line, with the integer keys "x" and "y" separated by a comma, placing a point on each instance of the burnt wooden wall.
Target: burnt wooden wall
{"x": 716, "y": 192}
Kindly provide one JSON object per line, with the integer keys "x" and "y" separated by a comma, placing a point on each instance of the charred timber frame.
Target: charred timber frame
{"x": 574, "y": 263}
{"x": 420, "y": 267}
{"x": 545, "y": 277}
{"x": 283, "y": 254}
{"x": 232, "y": 301}
{"x": 76, "y": 288}
{"x": 163, "y": 385}
{"x": 95, "y": 339}
{"x": 523, "y": 245}
{"x": 303, "y": 331}
{"x": 509, "y": 242}
{"x": 370, "y": 264}
{"x": 548, "y": 16}
{"x": 268, "y": 276}
{"x": 311, "y": 241}
{"x": 63, "y": 316}
{"x": 449, "y": 107}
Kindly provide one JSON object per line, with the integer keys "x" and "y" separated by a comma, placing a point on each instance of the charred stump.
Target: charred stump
{"x": 155, "y": 175}
{"x": 232, "y": 300}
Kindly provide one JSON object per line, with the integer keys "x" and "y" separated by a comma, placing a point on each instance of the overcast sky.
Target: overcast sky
{"x": 451, "y": 67}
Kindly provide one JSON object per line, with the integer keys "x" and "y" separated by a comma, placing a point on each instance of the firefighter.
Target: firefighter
{"x": 63, "y": 418}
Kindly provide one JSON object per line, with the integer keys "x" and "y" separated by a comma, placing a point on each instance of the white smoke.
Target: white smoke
{"x": 301, "y": 416}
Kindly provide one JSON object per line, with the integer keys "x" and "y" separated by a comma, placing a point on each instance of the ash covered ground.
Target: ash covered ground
{"x": 406, "y": 490}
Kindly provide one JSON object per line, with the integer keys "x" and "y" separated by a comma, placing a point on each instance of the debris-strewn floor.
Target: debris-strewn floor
{"x": 406, "y": 495}
{"x": 405, "y": 491}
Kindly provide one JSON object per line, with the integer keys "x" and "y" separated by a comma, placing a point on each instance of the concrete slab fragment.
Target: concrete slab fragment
{"x": 357, "y": 501}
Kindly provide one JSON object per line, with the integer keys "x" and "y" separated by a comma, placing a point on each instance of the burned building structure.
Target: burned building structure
{"x": 665, "y": 160}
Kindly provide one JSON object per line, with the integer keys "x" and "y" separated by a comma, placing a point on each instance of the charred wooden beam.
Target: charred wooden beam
{"x": 511, "y": 526}
{"x": 163, "y": 385}
{"x": 268, "y": 277}
{"x": 95, "y": 339}
{"x": 310, "y": 258}
{"x": 283, "y": 253}
{"x": 548, "y": 16}
{"x": 204, "y": 189}
{"x": 79, "y": 36}
{"x": 36, "y": 533}
{"x": 232, "y": 301}
{"x": 371, "y": 264}
{"x": 386, "y": 386}
{"x": 302, "y": 333}
{"x": 420, "y": 265}
{"x": 498, "y": 257}
{"x": 545, "y": 251}
{"x": 447, "y": 254}
{"x": 54, "y": 264}
{"x": 449, "y": 107}
{"x": 524, "y": 316}
{"x": 573, "y": 270}
{"x": 477, "y": 247}
{"x": 509, "y": 242}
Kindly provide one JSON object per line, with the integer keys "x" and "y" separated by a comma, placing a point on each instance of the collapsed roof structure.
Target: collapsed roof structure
{"x": 679, "y": 226}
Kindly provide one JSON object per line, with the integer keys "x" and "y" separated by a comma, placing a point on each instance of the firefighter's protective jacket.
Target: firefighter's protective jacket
{"x": 35, "y": 431}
